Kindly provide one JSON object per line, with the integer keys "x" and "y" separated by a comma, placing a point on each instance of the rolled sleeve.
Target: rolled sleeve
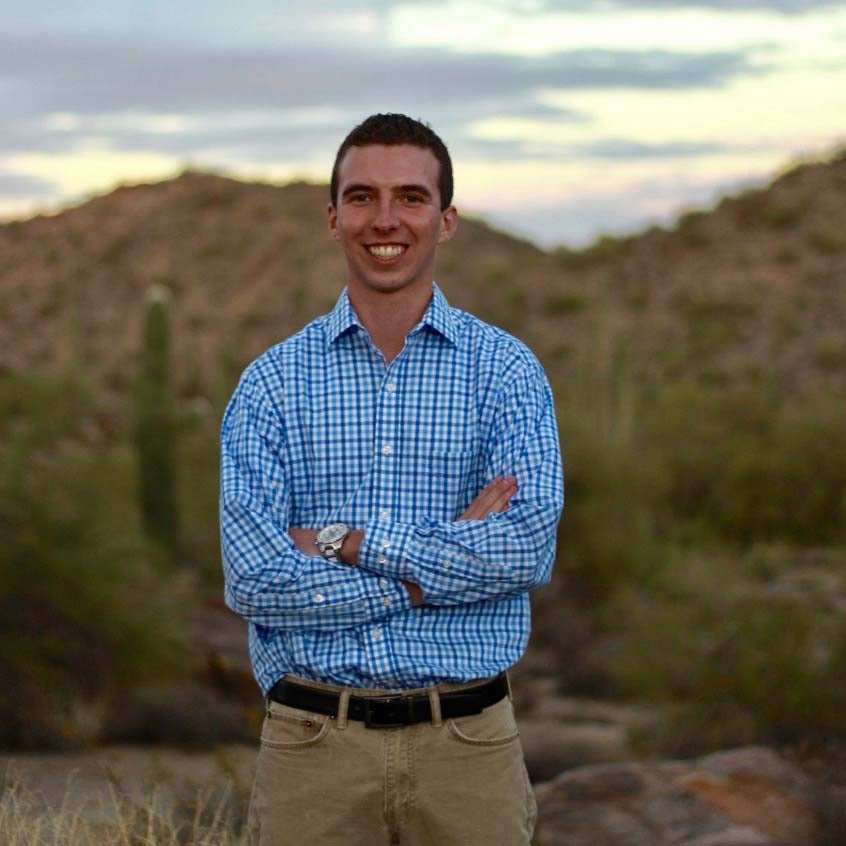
{"x": 461, "y": 561}
{"x": 268, "y": 580}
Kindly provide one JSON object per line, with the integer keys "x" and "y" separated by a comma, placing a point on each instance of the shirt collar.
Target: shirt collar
{"x": 439, "y": 316}
{"x": 341, "y": 319}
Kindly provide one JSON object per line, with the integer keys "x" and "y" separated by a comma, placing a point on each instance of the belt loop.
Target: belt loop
{"x": 435, "y": 703}
{"x": 508, "y": 683}
{"x": 343, "y": 709}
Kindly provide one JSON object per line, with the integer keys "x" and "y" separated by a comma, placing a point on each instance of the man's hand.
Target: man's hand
{"x": 305, "y": 540}
{"x": 494, "y": 498}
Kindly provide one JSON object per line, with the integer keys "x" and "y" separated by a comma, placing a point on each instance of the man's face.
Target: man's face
{"x": 388, "y": 219}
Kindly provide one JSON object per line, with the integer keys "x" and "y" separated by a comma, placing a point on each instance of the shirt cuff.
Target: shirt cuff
{"x": 392, "y": 598}
{"x": 384, "y": 549}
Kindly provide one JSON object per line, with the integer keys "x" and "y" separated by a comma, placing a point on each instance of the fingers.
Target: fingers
{"x": 493, "y": 498}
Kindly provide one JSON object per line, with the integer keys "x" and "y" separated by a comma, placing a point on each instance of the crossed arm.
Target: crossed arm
{"x": 502, "y": 544}
{"x": 494, "y": 498}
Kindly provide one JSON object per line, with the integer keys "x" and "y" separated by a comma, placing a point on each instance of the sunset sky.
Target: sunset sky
{"x": 565, "y": 119}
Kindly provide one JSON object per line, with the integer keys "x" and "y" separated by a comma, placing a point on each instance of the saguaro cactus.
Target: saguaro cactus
{"x": 155, "y": 431}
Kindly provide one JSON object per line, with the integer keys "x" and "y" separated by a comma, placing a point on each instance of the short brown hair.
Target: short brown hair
{"x": 392, "y": 129}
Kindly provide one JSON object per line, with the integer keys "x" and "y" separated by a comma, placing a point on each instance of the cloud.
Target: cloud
{"x": 44, "y": 75}
{"x": 790, "y": 7}
{"x": 620, "y": 149}
{"x": 61, "y": 94}
{"x": 598, "y": 208}
{"x": 23, "y": 185}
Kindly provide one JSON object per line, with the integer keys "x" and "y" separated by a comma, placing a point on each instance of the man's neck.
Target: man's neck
{"x": 389, "y": 317}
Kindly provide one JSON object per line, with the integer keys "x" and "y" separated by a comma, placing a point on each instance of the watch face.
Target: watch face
{"x": 332, "y": 533}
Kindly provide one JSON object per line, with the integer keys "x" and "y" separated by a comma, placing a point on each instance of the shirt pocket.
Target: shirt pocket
{"x": 454, "y": 480}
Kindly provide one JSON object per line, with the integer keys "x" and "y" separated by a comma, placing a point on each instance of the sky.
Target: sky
{"x": 566, "y": 119}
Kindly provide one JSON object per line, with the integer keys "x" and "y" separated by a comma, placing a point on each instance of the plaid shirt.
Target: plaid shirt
{"x": 321, "y": 429}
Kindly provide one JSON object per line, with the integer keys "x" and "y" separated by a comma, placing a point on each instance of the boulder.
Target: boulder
{"x": 744, "y": 797}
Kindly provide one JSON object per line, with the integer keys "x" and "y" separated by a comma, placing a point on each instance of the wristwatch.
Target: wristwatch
{"x": 330, "y": 539}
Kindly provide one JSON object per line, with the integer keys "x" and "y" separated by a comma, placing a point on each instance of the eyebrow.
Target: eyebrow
{"x": 414, "y": 189}
{"x": 401, "y": 189}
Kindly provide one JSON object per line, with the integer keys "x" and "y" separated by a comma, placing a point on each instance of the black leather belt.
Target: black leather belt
{"x": 392, "y": 710}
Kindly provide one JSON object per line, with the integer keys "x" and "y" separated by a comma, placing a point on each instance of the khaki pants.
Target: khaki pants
{"x": 322, "y": 781}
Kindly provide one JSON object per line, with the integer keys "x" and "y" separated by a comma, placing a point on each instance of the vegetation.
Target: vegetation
{"x": 700, "y": 381}
{"x": 155, "y": 819}
{"x": 82, "y": 621}
{"x": 705, "y": 532}
{"x": 155, "y": 428}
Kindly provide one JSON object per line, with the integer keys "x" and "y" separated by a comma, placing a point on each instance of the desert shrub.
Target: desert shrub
{"x": 784, "y": 213}
{"x": 693, "y": 228}
{"x": 610, "y": 534}
{"x": 39, "y": 409}
{"x": 199, "y": 463}
{"x": 828, "y": 238}
{"x": 81, "y": 619}
{"x": 616, "y": 482}
{"x": 743, "y": 665}
{"x": 163, "y": 815}
{"x": 566, "y": 302}
{"x": 746, "y": 468}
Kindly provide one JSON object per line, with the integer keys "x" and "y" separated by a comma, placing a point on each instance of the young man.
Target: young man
{"x": 391, "y": 485}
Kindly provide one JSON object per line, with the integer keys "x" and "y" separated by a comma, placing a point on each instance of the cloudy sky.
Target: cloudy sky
{"x": 565, "y": 118}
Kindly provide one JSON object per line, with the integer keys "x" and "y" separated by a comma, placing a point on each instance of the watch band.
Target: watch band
{"x": 330, "y": 548}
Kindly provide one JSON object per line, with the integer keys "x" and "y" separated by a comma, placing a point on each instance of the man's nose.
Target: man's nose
{"x": 386, "y": 217}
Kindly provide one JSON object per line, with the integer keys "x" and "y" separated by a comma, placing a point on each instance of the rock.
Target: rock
{"x": 746, "y": 797}
{"x": 551, "y": 747}
{"x": 560, "y": 733}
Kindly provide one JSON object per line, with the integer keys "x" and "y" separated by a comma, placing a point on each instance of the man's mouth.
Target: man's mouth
{"x": 386, "y": 251}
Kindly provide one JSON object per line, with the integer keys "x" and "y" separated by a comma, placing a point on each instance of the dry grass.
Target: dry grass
{"x": 157, "y": 818}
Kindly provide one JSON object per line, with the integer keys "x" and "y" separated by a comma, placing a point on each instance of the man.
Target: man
{"x": 391, "y": 484}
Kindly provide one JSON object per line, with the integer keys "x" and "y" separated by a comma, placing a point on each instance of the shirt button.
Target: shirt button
{"x": 319, "y": 597}
{"x": 386, "y": 601}
{"x": 383, "y": 583}
{"x": 391, "y": 387}
{"x": 387, "y": 449}
{"x": 386, "y": 543}
{"x": 384, "y": 515}
{"x": 447, "y": 563}
{"x": 382, "y": 560}
{"x": 377, "y": 634}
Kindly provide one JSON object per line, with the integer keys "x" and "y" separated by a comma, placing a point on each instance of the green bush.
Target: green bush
{"x": 744, "y": 665}
{"x": 746, "y": 468}
{"x": 81, "y": 620}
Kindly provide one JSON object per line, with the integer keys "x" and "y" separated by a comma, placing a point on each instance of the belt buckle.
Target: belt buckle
{"x": 388, "y": 711}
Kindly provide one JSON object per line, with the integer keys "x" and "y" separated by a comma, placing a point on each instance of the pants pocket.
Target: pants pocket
{"x": 495, "y": 726}
{"x": 291, "y": 728}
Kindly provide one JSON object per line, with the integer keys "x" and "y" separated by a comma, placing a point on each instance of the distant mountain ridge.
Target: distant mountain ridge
{"x": 755, "y": 288}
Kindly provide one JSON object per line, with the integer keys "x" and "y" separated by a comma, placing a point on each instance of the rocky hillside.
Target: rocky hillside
{"x": 755, "y": 286}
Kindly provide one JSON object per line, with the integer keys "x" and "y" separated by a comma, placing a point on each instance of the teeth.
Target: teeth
{"x": 386, "y": 251}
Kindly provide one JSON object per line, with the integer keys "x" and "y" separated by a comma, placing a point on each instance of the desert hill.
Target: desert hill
{"x": 699, "y": 374}
{"x": 757, "y": 286}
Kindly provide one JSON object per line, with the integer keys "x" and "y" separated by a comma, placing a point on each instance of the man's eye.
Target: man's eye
{"x": 359, "y": 198}
{"x": 413, "y": 198}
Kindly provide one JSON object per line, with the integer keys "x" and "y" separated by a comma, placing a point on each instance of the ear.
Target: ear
{"x": 449, "y": 223}
{"x": 332, "y": 213}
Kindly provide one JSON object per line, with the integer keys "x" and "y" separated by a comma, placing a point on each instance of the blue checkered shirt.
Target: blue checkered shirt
{"x": 320, "y": 430}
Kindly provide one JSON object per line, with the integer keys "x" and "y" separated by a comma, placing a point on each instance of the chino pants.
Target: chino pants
{"x": 322, "y": 781}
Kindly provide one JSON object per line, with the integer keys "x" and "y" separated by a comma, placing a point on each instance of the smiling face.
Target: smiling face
{"x": 388, "y": 219}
